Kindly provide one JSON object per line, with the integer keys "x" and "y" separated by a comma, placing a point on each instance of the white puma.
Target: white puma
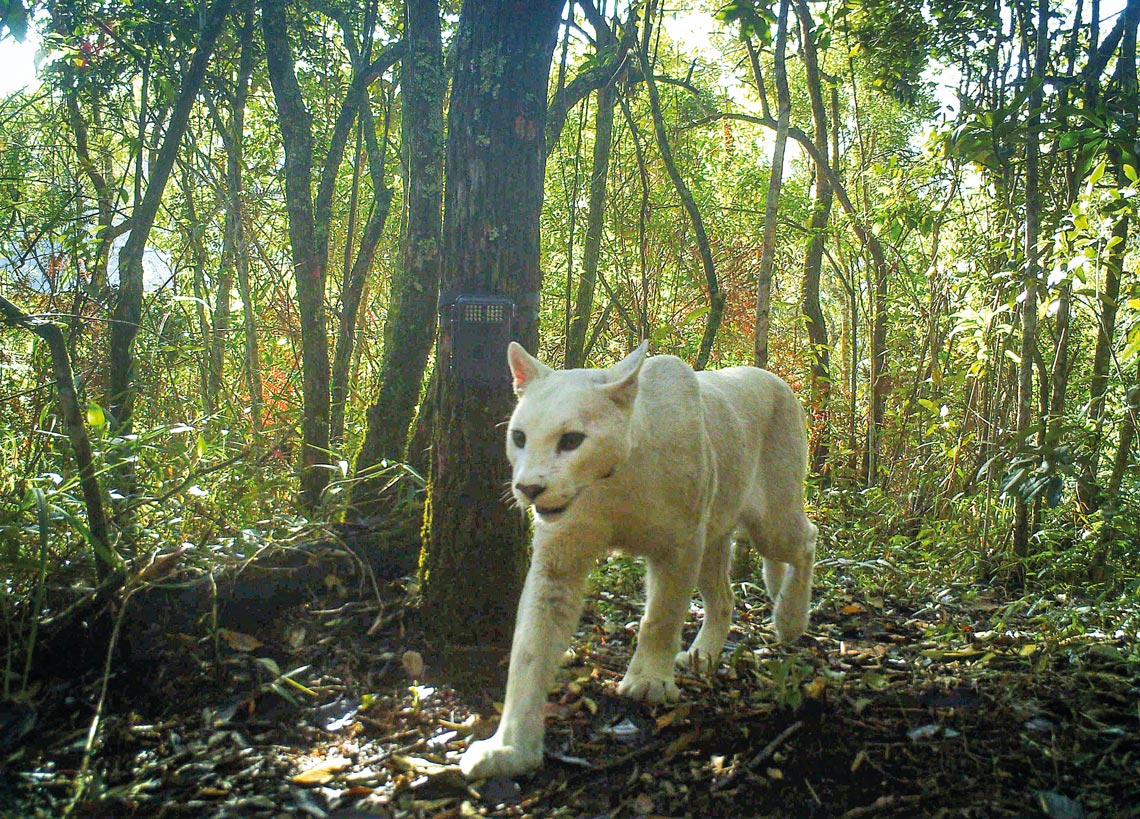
{"x": 653, "y": 459}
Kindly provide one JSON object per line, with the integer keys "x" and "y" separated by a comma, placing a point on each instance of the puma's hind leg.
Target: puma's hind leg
{"x": 787, "y": 543}
{"x": 714, "y": 583}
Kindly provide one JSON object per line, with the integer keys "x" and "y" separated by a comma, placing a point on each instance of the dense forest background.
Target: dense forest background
{"x": 228, "y": 216}
{"x": 256, "y": 556}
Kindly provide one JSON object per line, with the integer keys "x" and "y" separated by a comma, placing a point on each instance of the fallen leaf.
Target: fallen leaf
{"x": 500, "y": 790}
{"x": 323, "y": 772}
{"x": 464, "y": 728}
{"x": 814, "y": 689}
{"x": 643, "y": 804}
{"x": 413, "y": 663}
{"x": 568, "y": 759}
{"x": 270, "y": 665}
{"x": 928, "y": 732}
{"x": 162, "y": 565}
{"x": 669, "y": 717}
{"x": 239, "y": 641}
{"x": 295, "y": 637}
{"x": 681, "y": 743}
{"x": 1058, "y": 806}
{"x": 853, "y": 608}
{"x": 417, "y": 764}
{"x": 875, "y": 680}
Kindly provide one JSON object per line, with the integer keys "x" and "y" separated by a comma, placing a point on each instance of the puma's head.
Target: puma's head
{"x": 571, "y": 428}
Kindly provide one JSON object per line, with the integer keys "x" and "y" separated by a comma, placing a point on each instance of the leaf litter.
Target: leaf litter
{"x": 888, "y": 708}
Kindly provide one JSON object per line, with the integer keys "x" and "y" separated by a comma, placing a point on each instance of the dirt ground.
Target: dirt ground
{"x": 887, "y": 708}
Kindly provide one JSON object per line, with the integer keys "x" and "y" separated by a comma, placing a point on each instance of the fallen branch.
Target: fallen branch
{"x": 759, "y": 759}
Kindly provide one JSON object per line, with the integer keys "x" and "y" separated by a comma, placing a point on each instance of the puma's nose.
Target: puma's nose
{"x": 531, "y": 490}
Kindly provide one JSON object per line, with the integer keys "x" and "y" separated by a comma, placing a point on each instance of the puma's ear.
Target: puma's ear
{"x": 525, "y": 368}
{"x": 622, "y": 387}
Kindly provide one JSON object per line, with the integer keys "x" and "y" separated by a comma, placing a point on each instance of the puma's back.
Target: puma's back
{"x": 755, "y": 428}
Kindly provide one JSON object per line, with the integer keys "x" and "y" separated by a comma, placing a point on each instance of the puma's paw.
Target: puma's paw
{"x": 490, "y": 757}
{"x": 695, "y": 660}
{"x": 650, "y": 689}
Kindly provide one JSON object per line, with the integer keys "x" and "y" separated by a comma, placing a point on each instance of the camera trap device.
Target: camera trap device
{"x": 479, "y": 327}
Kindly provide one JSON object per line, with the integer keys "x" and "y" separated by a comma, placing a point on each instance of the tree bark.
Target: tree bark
{"x": 412, "y": 305}
{"x": 128, "y": 307}
{"x": 712, "y": 282}
{"x": 105, "y": 194}
{"x": 233, "y": 139}
{"x": 475, "y": 548}
{"x": 309, "y": 253}
{"x": 595, "y": 216}
{"x": 1088, "y": 495}
{"x": 820, "y": 352}
{"x": 353, "y": 288}
{"x": 775, "y": 184}
{"x": 601, "y": 74}
{"x": 105, "y": 558}
{"x": 309, "y": 220}
{"x": 879, "y": 384}
{"x": 1032, "y": 274}
{"x": 194, "y": 227}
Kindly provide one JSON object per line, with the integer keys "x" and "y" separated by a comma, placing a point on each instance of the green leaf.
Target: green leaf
{"x": 754, "y": 21}
{"x": 1097, "y": 173}
{"x": 1133, "y": 346}
{"x": 96, "y": 418}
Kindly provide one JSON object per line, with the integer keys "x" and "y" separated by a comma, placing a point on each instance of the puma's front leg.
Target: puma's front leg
{"x": 669, "y": 585}
{"x": 548, "y": 611}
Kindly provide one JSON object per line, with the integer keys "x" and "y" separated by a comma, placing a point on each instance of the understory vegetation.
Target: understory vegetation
{"x": 225, "y": 268}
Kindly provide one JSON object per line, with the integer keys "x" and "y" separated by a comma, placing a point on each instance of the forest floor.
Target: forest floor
{"x": 889, "y": 707}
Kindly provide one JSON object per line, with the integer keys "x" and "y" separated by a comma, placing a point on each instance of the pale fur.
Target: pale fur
{"x": 673, "y": 463}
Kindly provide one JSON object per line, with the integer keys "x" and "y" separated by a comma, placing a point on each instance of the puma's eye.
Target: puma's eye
{"x": 518, "y": 437}
{"x": 570, "y": 440}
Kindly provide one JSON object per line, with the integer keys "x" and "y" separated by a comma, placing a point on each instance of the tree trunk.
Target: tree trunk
{"x": 342, "y": 361}
{"x": 71, "y": 414}
{"x": 595, "y": 221}
{"x": 1088, "y": 496}
{"x": 194, "y": 229}
{"x": 233, "y": 138}
{"x": 1032, "y": 275}
{"x": 820, "y": 353}
{"x": 410, "y": 326}
{"x": 128, "y": 307}
{"x": 712, "y": 283}
{"x": 595, "y": 217}
{"x": 475, "y": 548}
{"x": 353, "y": 287}
{"x": 878, "y": 384}
{"x": 309, "y": 253}
{"x": 220, "y": 325}
{"x": 105, "y": 194}
{"x": 852, "y": 362}
{"x": 1127, "y": 436}
{"x": 775, "y": 183}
